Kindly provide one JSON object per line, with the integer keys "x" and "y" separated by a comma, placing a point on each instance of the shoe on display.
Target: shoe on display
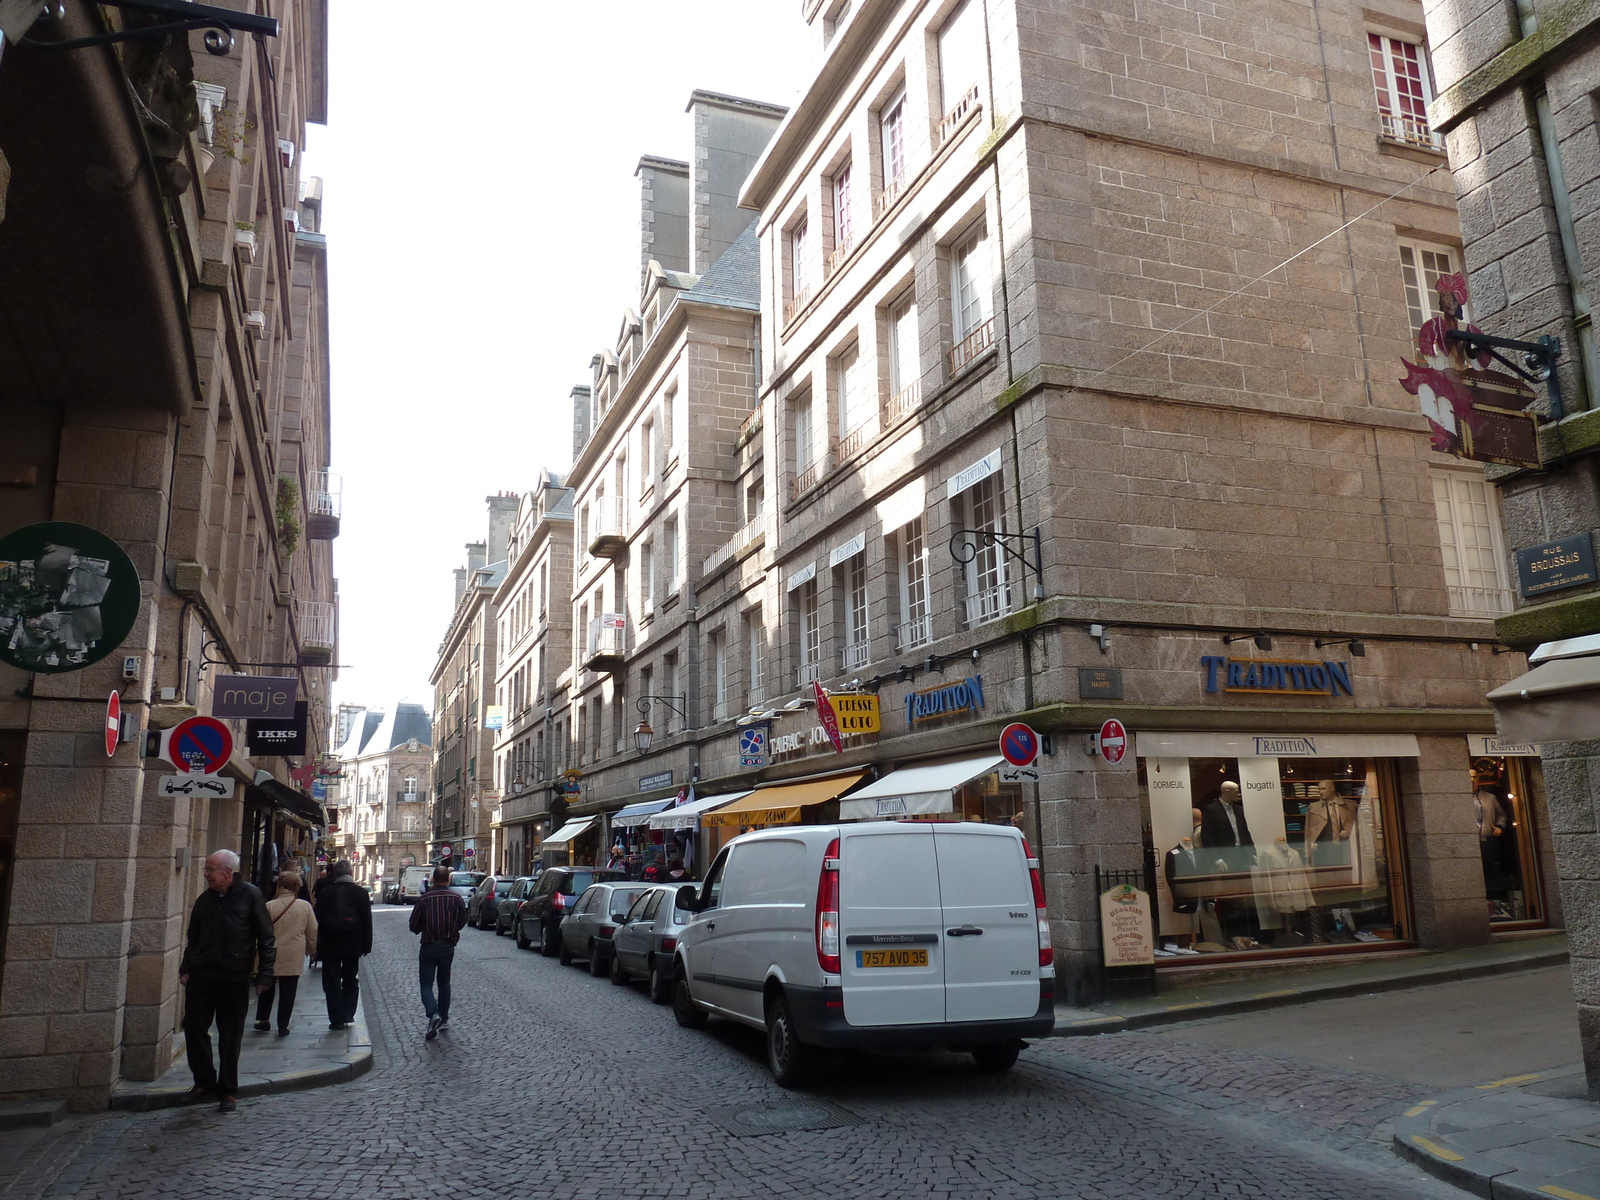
{"x": 433, "y": 1029}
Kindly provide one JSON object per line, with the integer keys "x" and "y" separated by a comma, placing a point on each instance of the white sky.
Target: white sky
{"x": 482, "y": 218}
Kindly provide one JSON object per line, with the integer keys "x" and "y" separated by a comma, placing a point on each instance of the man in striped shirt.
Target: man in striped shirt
{"x": 438, "y": 916}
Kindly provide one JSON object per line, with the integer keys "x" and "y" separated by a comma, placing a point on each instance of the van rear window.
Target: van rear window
{"x": 977, "y": 870}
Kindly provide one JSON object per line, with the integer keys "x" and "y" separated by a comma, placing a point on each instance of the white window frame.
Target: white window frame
{"x": 988, "y": 590}
{"x": 857, "y": 622}
{"x": 916, "y": 614}
{"x": 1418, "y": 275}
{"x": 1471, "y": 543}
{"x": 799, "y": 260}
{"x": 962, "y": 32}
{"x": 808, "y": 611}
{"x": 892, "y": 134}
{"x": 969, "y": 283}
{"x": 669, "y": 552}
{"x": 803, "y": 431}
{"x": 755, "y": 655}
{"x": 1399, "y": 120}
{"x": 843, "y": 214}
{"x": 849, "y": 374}
{"x": 719, "y": 675}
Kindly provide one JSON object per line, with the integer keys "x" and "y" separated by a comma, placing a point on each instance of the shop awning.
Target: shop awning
{"x": 915, "y": 790}
{"x": 1558, "y": 701}
{"x": 292, "y": 801}
{"x": 638, "y": 814}
{"x": 687, "y": 816}
{"x": 569, "y": 832}
{"x": 783, "y": 803}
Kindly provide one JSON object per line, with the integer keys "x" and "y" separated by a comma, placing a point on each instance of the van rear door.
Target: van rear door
{"x": 990, "y": 930}
{"x": 889, "y": 921}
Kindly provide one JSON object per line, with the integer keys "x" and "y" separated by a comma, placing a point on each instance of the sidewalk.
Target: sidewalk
{"x": 1301, "y": 983}
{"x": 1525, "y": 1138}
{"x": 311, "y": 1056}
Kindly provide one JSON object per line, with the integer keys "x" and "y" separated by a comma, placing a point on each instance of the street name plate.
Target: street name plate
{"x": 1551, "y": 566}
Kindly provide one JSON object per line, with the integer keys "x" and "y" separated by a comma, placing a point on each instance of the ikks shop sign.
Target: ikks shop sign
{"x": 1280, "y": 677}
{"x": 966, "y": 696}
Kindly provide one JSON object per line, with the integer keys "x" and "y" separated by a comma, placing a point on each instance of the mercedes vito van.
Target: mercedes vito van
{"x": 880, "y": 935}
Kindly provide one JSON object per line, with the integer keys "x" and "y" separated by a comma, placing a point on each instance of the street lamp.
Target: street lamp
{"x": 643, "y": 734}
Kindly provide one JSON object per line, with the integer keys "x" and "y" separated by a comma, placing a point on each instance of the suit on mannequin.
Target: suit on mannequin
{"x": 1183, "y": 862}
{"x": 1223, "y": 827}
{"x": 1329, "y": 812}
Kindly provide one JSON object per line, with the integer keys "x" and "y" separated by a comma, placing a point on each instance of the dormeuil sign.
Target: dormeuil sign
{"x": 266, "y": 737}
{"x": 245, "y": 697}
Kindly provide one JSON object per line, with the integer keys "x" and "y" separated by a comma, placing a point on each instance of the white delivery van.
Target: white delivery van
{"x": 413, "y": 882}
{"x": 879, "y": 935}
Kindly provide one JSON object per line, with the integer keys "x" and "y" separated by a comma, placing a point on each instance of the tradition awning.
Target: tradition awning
{"x": 569, "y": 832}
{"x": 688, "y": 816}
{"x": 783, "y": 803}
{"x": 915, "y": 790}
{"x": 637, "y": 814}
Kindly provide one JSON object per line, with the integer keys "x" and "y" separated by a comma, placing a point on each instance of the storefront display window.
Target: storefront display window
{"x": 1268, "y": 854}
{"x": 1503, "y": 792}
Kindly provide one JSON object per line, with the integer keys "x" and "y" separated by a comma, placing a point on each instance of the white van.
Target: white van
{"x": 413, "y": 882}
{"x": 881, "y": 935}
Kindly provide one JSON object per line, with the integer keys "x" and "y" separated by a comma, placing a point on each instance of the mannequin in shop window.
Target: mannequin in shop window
{"x": 1223, "y": 828}
{"x": 1283, "y": 893}
{"x": 1333, "y": 814}
{"x": 1489, "y": 813}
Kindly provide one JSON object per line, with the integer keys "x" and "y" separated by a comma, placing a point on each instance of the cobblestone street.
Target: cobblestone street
{"x": 552, "y": 1081}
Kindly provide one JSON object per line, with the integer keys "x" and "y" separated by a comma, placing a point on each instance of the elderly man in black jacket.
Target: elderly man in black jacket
{"x": 230, "y": 940}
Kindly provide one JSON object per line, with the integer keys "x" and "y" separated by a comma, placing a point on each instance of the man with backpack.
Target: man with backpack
{"x": 344, "y": 935}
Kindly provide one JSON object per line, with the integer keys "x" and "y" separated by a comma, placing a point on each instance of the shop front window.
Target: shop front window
{"x": 1503, "y": 791}
{"x": 1272, "y": 854}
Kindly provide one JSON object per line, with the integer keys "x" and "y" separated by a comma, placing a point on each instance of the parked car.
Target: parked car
{"x": 506, "y": 912}
{"x": 413, "y": 882}
{"x": 464, "y": 883}
{"x": 552, "y": 898}
{"x": 586, "y": 931}
{"x": 879, "y": 935}
{"x": 484, "y": 904}
{"x": 643, "y": 945}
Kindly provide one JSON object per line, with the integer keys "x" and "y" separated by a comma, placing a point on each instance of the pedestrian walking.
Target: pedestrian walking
{"x": 294, "y": 928}
{"x": 230, "y": 937}
{"x": 439, "y": 916}
{"x": 344, "y": 936}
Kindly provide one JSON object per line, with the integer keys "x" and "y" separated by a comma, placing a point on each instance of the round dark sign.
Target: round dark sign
{"x": 68, "y": 597}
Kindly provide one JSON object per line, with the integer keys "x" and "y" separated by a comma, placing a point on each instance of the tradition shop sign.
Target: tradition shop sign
{"x": 1276, "y": 676}
{"x": 966, "y": 696}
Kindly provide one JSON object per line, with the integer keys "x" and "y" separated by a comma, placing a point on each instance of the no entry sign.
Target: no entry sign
{"x": 1113, "y": 741}
{"x": 1019, "y": 744}
{"x": 113, "y": 723}
{"x": 200, "y": 745}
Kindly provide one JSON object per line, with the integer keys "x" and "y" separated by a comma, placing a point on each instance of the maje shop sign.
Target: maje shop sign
{"x": 1278, "y": 677}
{"x": 929, "y": 705}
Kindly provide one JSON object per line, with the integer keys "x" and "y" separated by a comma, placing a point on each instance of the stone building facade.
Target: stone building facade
{"x": 1080, "y": 339}
{"x": 463, "y": 680}
{"x": 165, "y": 372}
{"x": 535, "y": 614}
{"x": 386, "y": 769}
{"x": 1515, "y": 104}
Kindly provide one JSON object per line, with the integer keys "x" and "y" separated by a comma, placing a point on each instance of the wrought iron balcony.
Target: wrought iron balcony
{"x": 971, "y": 346}
{"x": 314, "y": 621}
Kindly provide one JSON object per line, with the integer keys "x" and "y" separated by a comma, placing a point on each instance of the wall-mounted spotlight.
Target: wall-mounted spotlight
{"x": 1260, "y": 637}
{"x": 1358, "y": 648}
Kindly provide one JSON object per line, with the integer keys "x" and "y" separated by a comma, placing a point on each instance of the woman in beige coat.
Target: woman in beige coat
{"x": 294, "y": 927}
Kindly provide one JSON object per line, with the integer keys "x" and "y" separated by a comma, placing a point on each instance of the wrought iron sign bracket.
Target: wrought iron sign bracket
{"x": 220, "y": 25}
{"x": 1538, "y": 360}
{"x": 678, "y": 704}
{"x": 207, "y": 661}
{"x": 964, "y": 548}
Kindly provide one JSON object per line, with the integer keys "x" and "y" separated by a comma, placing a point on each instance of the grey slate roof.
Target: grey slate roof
{"x": 734, "y": 279}
{"x": 378, "y": 730}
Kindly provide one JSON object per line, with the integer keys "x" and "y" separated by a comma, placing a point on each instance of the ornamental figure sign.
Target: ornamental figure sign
{"x": 1472, "y": 411}
{"x": 68, "y": 597}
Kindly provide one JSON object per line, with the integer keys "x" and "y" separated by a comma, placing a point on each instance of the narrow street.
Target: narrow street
{"x": 550, "y": 1082}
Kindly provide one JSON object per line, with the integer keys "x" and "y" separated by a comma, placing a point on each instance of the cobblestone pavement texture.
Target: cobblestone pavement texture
{"x": 552, "y": 1083}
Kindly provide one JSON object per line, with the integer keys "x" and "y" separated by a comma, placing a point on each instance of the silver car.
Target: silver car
{"x": 643, "y": 945}
{"x": 586, "y": 931}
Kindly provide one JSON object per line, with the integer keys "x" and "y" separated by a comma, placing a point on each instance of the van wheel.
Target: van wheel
{"x": 683, "y": 1007}
{"x": 792, "y": 1062}
{"x": 660, "y": 986}
{"x": 995, "y": 1060}
{"x": 522, "y": 938}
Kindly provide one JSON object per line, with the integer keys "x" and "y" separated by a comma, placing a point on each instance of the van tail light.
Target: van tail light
{"x": 828, "y": 911}
{"x": 1047, "y": 951}
{"x": 669, "y": 944}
